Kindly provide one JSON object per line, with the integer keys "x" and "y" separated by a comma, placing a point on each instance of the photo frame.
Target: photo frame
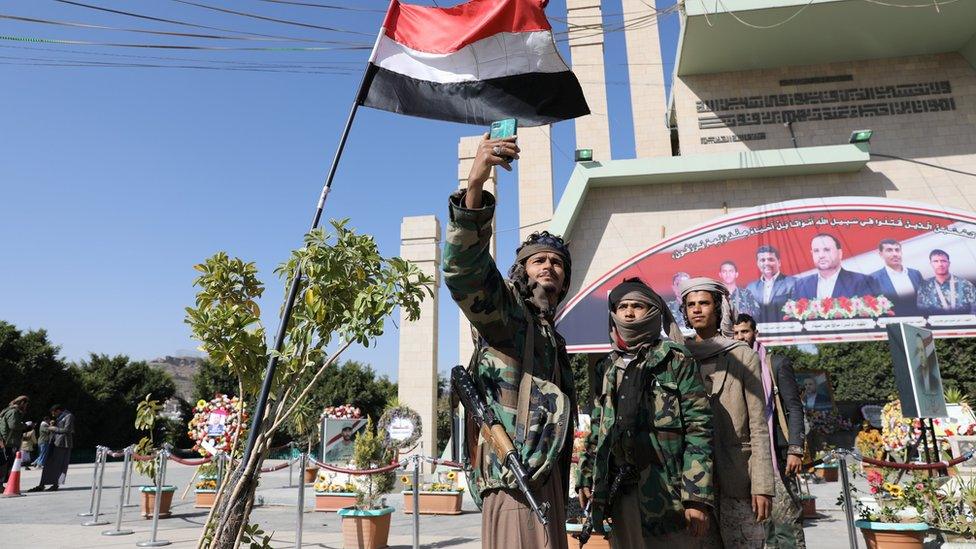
{"x": 823, "y": 392}
{"x": 961, "y": 445}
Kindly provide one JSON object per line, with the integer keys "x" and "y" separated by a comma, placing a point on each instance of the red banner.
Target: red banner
{"x": 811, "y": 271}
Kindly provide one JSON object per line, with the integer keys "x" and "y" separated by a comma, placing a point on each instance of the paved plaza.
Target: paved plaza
{"x": 49, "y": 520}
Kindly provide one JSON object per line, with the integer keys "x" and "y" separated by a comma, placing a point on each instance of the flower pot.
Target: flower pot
{"x": 310, "y": 474}
{"x": 597, "y": 541}
{"x": 887, "y": 535}
{"x": 434, "y": 503}
{"x": 826, "y": 473}
{"x": 330, "y": 502}
{"x": 365, "y": 529}
{"x": 204, "y": 498}
{"x": 148, "y": 496}
{"x": 808, "y": 506}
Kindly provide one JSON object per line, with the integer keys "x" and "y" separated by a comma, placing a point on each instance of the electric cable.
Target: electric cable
{"x": 178, "y": 47}
{"x": 272, "y": 19}
{"x": 764, "y": 27}
{"x": 180, "y": 23}
{"x": 932, "y": 4}
{"x": 323, "y": 6}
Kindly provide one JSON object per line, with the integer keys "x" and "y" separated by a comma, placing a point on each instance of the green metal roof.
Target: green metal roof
{"x": 702, "y": 167}
{"x": 824, "y": 31}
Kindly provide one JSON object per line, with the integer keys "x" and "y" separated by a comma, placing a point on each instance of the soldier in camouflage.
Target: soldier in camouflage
{"x": 520, "y": 364}
{"x": 650, "y": 416}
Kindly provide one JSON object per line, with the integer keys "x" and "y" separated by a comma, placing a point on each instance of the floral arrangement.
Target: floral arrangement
{"x": 896, "y": 502}
{"x": 840, "y": 307}
{"x": 897, "y": 432}
{"x": 221, "y": 435}
{"x": 448, "y": 483}
{"x": 327, "y": 482}
{"x": 827, "y": 422}
{"x": 869, "y": 442}
{"x": 206, "y": 484}
{"x": 343, "y": 411}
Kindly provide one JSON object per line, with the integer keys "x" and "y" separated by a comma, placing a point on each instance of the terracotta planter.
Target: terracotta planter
{"x": 827, "y": 474}
{"x": 882, "y": 535}
{"x": 148, "y": 496}
{"x": 434, "y": 503}
{"x": 310, "y": 474}
{"x": 204, "y": 498}
{"x": 808, "y": 506}
{"x": 330, "y": 502}
{"x": 597, "y": 541}
{"x": 365, "y": 529}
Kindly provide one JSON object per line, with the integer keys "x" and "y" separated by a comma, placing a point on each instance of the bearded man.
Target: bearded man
{"x": 651, "y": 428}
{"x": 520, "y": 364}
{"x": 731, "y": 373}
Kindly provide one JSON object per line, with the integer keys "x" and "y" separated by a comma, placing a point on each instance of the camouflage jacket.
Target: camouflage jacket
{"x": 676, "y": 411}
{"x": 530, "y": 390}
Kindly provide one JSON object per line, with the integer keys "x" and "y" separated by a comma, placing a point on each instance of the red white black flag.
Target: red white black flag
{"x": 474, "y": 63}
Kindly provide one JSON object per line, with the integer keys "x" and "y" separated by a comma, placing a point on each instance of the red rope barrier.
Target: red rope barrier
{"x": 915, "y": 466}
{"x": 377, "y": 471}
{"x": 191, "y": 462}
{"x": 140, "y": 457}
{"x": 274, "y": 468}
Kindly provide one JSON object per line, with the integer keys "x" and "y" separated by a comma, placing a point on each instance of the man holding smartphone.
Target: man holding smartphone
{"x": 520, "y": 363}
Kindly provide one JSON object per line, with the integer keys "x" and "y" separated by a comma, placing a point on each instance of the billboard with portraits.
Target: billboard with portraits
{"x": 810, "y": 271}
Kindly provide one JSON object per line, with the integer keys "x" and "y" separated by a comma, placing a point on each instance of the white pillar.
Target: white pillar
{"x": 417, "y": 379}
{"x": 586, "y": 50}
{"x": 534, "y": 180}
{"x": 646, "y": 69}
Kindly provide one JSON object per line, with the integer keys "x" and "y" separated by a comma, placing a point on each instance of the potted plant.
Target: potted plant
{"x": 808, "y": 501}
{"x": 146, "y": 413}
{"x": 949, "y": 509}
{"x": 330, "y": 496}
{"x": 894, "y": 520}
{"x": 205, "y": 489}
{"x": 437, "y": 498}
{"x": 367, "y": 524}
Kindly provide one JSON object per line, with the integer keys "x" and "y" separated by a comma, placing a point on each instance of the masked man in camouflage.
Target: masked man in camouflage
{"x": 651, "y": 427}
{"x": 520, "y": 364}
{"x": 732, "y": 375}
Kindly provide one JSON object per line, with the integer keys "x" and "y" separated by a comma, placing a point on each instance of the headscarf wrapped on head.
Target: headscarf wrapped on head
{"x": 537, "y": 243}
{"x": 722, "y": 341}
{"x": 628, "y": 336}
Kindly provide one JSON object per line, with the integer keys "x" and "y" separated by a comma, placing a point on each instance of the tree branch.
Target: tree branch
{"x": 311, "y": 384}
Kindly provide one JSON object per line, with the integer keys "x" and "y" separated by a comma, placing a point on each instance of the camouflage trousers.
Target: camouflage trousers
{"x": 737, "y": 524}
{"x": 627, "y": 531}
{"x": 784, "y": 529}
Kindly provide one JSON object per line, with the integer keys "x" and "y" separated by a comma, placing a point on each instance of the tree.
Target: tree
{"x": 581, "y": 381}
{"x": 29, "y": 365}
{"x": 346, "y": 289}
{"x": 210, "y": 379}
{"x": 354, "y": 383}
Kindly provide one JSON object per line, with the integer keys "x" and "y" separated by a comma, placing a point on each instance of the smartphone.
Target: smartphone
{"x": 503, "y": 128}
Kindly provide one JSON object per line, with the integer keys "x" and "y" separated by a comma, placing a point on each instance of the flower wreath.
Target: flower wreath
{"x": 400, "y": 412}
{"x": 233, "y": 425}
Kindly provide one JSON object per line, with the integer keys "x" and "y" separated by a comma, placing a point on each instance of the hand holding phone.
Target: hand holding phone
{"x": 501, "y": 129}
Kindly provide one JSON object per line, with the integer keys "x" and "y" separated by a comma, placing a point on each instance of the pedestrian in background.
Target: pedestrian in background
{"x": 44, "y": 441}
{"x": 56, "y": 465}
{"x": 12, "y": 427}
{"x": 28, "y": 446}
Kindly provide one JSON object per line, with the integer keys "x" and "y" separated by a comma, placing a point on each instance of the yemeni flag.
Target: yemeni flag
{"x": 475, "y": 63}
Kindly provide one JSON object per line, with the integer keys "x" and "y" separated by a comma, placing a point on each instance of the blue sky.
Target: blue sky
{"x": 116, "y": 179}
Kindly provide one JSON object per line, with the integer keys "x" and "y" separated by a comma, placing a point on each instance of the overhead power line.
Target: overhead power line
{"x": 323, "y": 6}
{"x": 272, "y": 19}
{"x": 764, "y": 27}
{"x": 179, "y": 46}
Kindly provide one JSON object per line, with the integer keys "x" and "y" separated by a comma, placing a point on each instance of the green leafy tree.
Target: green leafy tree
{"x": 29, "y": 365}
{"x": 370, "y": 453}
{"x": 347, "y": 289}
{"x": 211, "y": 378}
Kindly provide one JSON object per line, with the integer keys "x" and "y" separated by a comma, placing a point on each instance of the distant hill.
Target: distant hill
{"x": 182, "y": 369}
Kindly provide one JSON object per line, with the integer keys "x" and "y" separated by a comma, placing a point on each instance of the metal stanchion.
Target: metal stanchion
{"x": 848, "y": 504}
{"x": 91, "y": 504}
{"x": 126, "y": 464}
{"x": 128, "y": 480}
{"x": 291, "y": 464}
{"x": 98, "y": 498}
{"x": 163, "y": 455}
{"x": 301, "y": 504}
{"x": 416, "y": 501}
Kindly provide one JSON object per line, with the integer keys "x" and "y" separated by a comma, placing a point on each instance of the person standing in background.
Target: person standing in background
{"x": 12, "y": 427}
{"x": 43, "y": 441}
{"x": 56, "y": 465}
{"x": 27, "y": 447}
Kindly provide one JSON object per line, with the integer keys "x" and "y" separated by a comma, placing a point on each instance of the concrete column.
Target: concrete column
{"x": 586, "y": 50}
{"x": 467, "y": 147}
{"x": 534, "y": 180}
{"x": 646, "y": 69}
{"x": 420, "y": 243}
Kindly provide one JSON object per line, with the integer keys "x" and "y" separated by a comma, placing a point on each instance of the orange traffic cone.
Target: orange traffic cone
{"x": 13, "y": 483}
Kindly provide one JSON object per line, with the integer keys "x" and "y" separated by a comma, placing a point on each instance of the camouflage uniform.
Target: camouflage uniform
{"x": 676, "y": 411}
{"x": 523, "y": 371}
{"x": 744, "y": 302}
{"x": 959, "y": 295}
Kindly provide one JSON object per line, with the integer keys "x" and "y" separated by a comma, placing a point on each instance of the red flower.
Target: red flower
{"x": 870, "y": 301}
{"x": 845, "y": 303}
{"x": 828, "y": 303}
{"x": 875, "y": 478}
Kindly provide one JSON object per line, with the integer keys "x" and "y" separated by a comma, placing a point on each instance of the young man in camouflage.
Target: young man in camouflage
{"x": 520, "y": 365}
{"x": 732, "y": 376}
{"x": 651, "y": 429}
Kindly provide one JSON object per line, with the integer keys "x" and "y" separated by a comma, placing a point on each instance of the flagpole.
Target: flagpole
{"x": 260, "y": 408}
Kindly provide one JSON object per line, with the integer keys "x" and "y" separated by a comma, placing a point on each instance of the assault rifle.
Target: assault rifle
{"x": 623, "y": 472}
{"x": 494, "y": 432}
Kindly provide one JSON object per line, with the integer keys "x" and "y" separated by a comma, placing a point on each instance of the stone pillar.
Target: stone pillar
{"x": 467, "y": 147}
{"x": 644, "y": 64}
{"x": 586, "y": 50}
{"x": 420, "y": 243}
{"x": 534, "y": 180}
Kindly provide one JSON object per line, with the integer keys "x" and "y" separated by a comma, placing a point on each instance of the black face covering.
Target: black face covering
{"x": 628, "y": 336}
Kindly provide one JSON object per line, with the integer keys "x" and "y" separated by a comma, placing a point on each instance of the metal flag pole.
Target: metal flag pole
{"x": 260, "y": 408}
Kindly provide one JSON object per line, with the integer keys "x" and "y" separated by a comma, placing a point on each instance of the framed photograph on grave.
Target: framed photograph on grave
{"x": 816, "y": 392}
{"x": 960, "y": 445}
